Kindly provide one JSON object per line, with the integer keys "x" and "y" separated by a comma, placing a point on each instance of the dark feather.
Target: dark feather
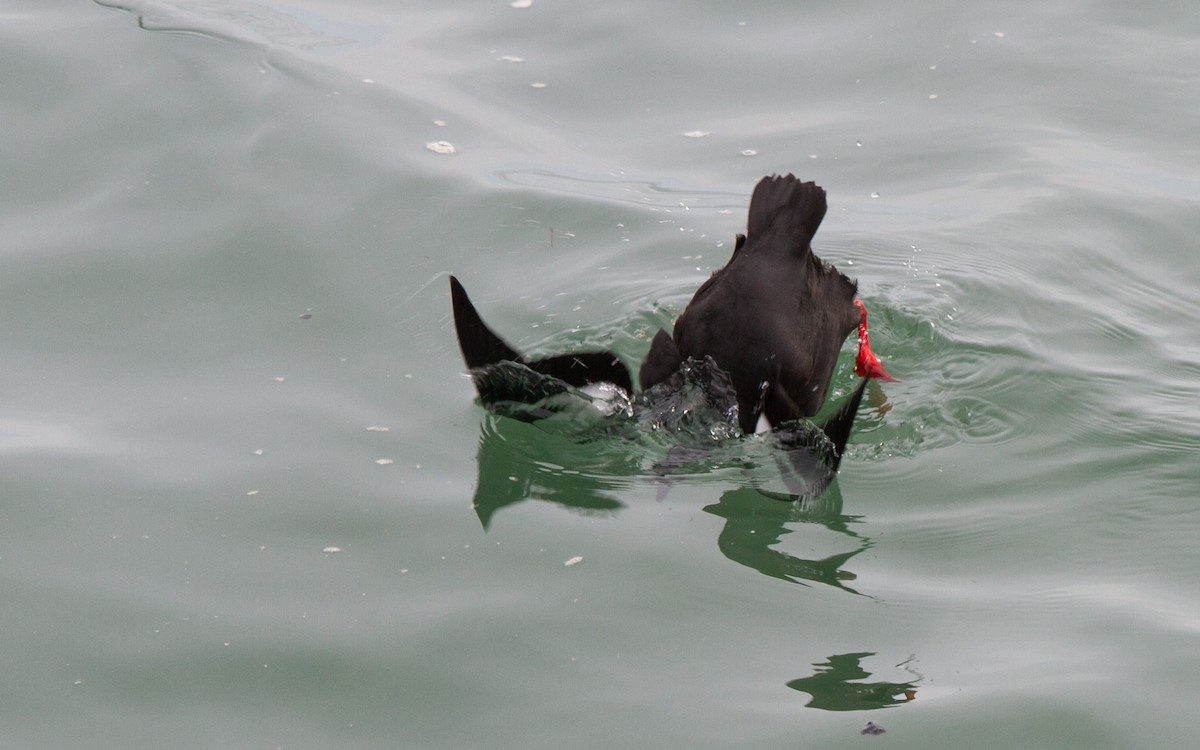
{"x": 775, "y": 316}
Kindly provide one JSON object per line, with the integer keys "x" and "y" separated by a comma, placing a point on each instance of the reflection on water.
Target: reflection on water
{"x": 517, "y": 461}
{"x": 509, "y": 475}
{"x": 755, "y": 521}
{"x": 588, "y": 440}
{"x": 832, "y": 690}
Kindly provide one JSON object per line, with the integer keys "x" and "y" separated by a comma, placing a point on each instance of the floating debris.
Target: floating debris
{"x": 573, "y": 561}
{"x": 873, "y": 729}
{"x": 441, "y": 147}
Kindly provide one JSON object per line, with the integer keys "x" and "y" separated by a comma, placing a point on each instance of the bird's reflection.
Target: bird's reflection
{"x": 591, "y": 478}
{"x": 836, "y": 686}
{"x": 756, "y": 520}
{"x": 579, "y": 477}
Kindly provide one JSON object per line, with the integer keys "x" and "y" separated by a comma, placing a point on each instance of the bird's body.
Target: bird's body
{"x": 775, "y": 317}
{"x": 772, "y": 322}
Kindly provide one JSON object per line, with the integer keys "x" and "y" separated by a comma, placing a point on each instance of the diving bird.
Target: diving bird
{"x": 774, "y": 318}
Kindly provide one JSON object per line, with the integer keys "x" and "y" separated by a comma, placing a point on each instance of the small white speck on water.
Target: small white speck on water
{"x": 874, "y": 194}
{"x": 279, "y": 379}
{"x": 749, "y": 152}
{"x": 440, "y": 123}
{"x": 574, "y": 561}
{"x": 251, "y": 493}
{"x": 696, "y": 133}
{"x": 538, "y": 85}
{"x": 377, "y": 428}
{"x": 510, "y": 59}
{"x": 331, "y": 550}
{"x": 368, "y": 80}
{"x": 933, "y": 96}
{"x": 521, "y": 3}
{"x": 258, "y": 452}
{"x": 999, "y": 34}
{"x": 441, "y": 147}
{"x": 384, "y": 461}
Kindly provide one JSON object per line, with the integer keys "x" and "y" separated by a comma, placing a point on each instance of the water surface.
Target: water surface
{"x": 225, "y": 241}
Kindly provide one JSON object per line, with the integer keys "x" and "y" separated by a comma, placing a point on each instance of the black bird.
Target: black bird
{"x": 774, "y": 318}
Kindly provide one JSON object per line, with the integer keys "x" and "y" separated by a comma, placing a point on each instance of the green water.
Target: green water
{"x": 224, "y": 245}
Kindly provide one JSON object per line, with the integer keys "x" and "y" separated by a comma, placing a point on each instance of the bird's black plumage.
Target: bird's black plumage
{"x": 775, "y": 317}
{"x": 481, "y": 346}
